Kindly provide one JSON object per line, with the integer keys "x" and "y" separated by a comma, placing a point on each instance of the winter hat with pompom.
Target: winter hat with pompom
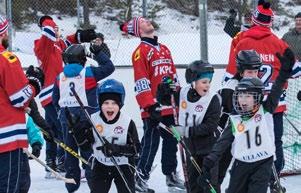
{"x": 132, "y": 27}
{"x": 3, "y": 25}
{"x": 263, "y": 15}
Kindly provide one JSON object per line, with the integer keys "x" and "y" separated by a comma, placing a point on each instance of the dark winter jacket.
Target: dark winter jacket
{"x": 293, "y": 39}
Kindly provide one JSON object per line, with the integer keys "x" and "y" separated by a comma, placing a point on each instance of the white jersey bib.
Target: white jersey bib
{"x": 254, "y": 138}
{"x": 115, "y": 133}
{"x": 78, "y": 83}
{"x": 191, "y": 114}
{"x": 230, "y": 84}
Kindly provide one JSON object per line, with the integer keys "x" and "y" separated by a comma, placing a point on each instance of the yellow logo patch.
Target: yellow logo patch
{"x": 137, "y": 55}
{"x": 240, "y": 127}
{"x": 11, "y": 58}
{"x": 99, "y": 128}
{"x": 183, "y": 104}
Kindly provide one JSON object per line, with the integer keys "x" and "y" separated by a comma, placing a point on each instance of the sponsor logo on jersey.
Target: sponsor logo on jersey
{"x": 199, "y": 108}
{"x": 255, "y": 156}
{"x": 137, "y": 55}
{"x": 240, "y": 127}
{"x": 99, "y": 128}
{"x": 161, "y": 61}
{"x": 118, "y": 130}
{"x": 162, "y": 70}
{"x": 258, "y": 118}
{"x": 184, "y": 104}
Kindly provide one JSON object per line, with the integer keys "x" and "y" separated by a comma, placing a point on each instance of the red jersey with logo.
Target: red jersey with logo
{"x": 15, "y": 93}
{"x": 48, "y": 50}
{"x": 266, "y": 45}
{"x": 151, "y": 61}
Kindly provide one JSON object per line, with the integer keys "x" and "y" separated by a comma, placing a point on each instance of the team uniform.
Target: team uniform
{"x": 48, "y": 50}
{"x": 151, "y": 62}
{"x": 15, "y": 94}
{"x": 122, "y": 131}
{"x": 201, "y": 116}
{"x": 84, "y": 81}
{"x": 251, "y": 132}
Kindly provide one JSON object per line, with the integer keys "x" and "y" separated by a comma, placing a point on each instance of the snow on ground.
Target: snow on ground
{"x": 157, "y": 181}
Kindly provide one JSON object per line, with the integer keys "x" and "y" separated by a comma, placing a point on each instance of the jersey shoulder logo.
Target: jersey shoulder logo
{"x": 137, "y": 55}
{"x": 11, "y": 58}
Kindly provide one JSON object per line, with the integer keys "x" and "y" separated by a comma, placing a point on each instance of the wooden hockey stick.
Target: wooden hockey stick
{"x": 57, "y": 175}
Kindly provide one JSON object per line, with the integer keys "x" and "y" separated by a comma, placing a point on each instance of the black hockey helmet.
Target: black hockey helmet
{"x": 248, "y": 60}
{"x": 75, "y": 54}
{"x": 198, "y": 69}
{"x": 248, "y": 86}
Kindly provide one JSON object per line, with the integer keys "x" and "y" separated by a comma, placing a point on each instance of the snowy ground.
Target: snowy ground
{"x": 157, "y": 181}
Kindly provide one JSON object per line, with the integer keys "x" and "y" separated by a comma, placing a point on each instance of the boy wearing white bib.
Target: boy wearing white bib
{"x": 251, "y": 132}
{"x": 123, "y": 142}
{"x": 199, "y": 112}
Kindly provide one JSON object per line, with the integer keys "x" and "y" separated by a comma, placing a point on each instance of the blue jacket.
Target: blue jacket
{"x": 92, "y": 76}
{"x": 33, "y": 132}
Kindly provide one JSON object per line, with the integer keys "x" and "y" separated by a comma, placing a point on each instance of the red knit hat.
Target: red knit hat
{"x": 263, "y": 15}
{"x": 3, "y": 25}
{"x": 132, "y": 27}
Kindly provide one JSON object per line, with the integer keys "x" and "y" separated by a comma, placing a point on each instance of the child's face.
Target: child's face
{"x": 202, "y": 86}
{"x": 110, "y": 109}
{"x": 250, "y": 74}
{"x": 246, "y": 101}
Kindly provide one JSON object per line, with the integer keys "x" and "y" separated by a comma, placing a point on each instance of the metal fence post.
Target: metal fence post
{"x": 203, "y": 30}
{"x": 144, "y": 4}
{"x": 10, "y": 25}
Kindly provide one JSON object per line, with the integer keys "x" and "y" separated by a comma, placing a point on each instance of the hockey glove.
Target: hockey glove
{"x": 85, "y": 35}
{"x": 95, "y": 49}
{"x": 155, "y": 112}
{"x": 287, "y": 61}
{"x": 110, "y": 150}
{"x": 36, "y": 149}
{"x": 35, "y": 77}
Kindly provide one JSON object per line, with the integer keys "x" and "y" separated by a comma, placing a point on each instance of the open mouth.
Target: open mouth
{"x": 110, "y": 113}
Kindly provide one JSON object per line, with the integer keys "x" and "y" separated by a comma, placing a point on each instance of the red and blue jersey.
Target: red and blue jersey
{"x": 48, "y": 50}
{"x": 15, "y": 94}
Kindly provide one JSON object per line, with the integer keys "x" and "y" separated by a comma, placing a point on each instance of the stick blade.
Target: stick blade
{"x": 69, "y": 181}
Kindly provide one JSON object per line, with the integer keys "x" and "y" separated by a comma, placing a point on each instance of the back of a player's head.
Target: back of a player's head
{"x": 75, "y": 54}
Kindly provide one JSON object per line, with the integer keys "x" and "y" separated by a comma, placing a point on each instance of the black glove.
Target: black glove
{"x": 233, "y": 13}
{"x": 287, "y": 61}
{"x": 81, "y": 131}
{"x": 36, "y": 149}
{"x": 208, "y": 163}
{"x": 95, "y": 49}
{"x": 155, "y": 112}
{"x": 35, "y": 77}
{"x": 49, "y": 135}
{"x": 110, "y": 149}
{"x": 164, "y": 92}
{"x": 85, "y": 35}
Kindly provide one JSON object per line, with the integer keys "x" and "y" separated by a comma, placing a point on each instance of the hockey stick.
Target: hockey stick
{"x": 175, "y": 116}
{"x": 180, "y": 140}
{"x": 61, "y": 144}
{"x": 57, "y": 175}
{"x": 101, "y": 138}
{"x": 297, "y": 130}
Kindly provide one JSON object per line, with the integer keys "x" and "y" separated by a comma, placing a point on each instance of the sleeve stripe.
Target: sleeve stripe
{"x": 296, "y": 70}
{"x": 49, "y": 33}
{"x": 20, "y": 98}
{"x": 67, "y": 42}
